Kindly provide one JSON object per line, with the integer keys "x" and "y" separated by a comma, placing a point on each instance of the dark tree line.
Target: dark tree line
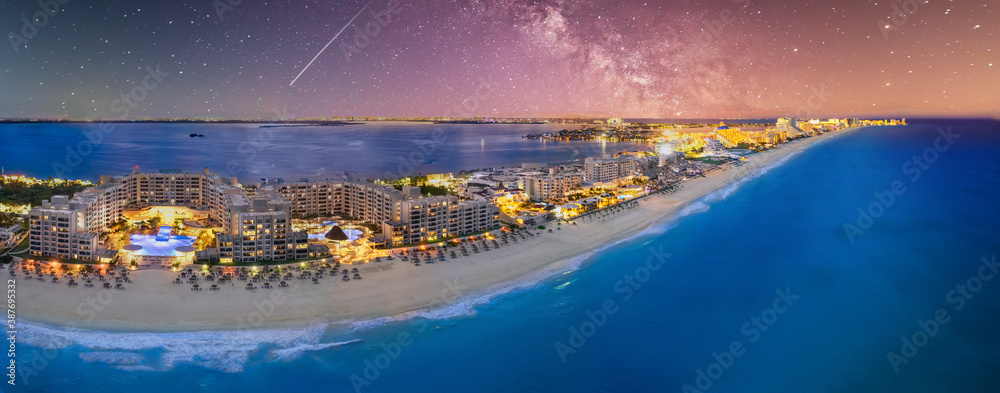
{"x": 21, "y": 193}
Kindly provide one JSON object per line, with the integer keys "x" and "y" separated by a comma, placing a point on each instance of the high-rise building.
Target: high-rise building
{"x": 439, "y": 217}
{"x": 362, "y": 201}
{"x": 59, "y": 229}
{"x": 551, "y": 187}
{"x": 260, "y": 229}
{"x": 609, "y": 170}
{"x": 789, "y": 126}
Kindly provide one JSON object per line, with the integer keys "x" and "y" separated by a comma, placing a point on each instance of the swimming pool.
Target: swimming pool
{"x": 152, "y": 245}
{"x": 163, "y": 234}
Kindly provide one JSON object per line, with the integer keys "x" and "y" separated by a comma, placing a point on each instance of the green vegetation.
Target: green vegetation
{"x": 746, "y": 145}
{"x": 21, "y": 247}
{"x": 11, "y": 219}
{"x": 407, "y": 181}
{"x": 373, "y": 228}
{"x": 712, "y": 160}
{"x": 425, "y": 189}
{"x": 205, "y": 240}
{"x": 118, "y": 233}
{"x": 434, "y": 190}
{"x": 541, "y": 227}
{"x": 17, "y": 192}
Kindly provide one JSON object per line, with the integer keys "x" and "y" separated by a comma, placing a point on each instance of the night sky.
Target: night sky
{"x": 624, "y": 58}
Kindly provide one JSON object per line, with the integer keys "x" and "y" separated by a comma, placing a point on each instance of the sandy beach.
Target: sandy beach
{"x": 389, "y": 288}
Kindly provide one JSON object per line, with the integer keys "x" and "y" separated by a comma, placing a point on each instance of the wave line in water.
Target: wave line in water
{"x": 227, "y": 351}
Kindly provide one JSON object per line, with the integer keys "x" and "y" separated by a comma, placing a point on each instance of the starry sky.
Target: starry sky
{"x": 515, "y": 58}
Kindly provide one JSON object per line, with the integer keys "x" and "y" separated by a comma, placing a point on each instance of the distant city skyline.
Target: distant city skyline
{"x": 549, "y": 58}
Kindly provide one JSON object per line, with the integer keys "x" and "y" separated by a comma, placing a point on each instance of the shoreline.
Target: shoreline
{"x": 391, "y": 290}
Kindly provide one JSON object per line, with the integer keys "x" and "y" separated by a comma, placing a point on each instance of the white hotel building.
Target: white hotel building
{"x": 361, "y": 201}
{"x": 405, "y": 216}
{"x": 260, "y": 229}
{"x": 256, "y": 228}
{"x": 59, "y": 229}
{"x": 609, "y": 170}
{"x": 551, "y": 187}
{"x": 439, "y": 217}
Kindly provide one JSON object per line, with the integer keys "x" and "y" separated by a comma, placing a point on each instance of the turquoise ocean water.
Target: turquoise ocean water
{"x": 756, "y": 288}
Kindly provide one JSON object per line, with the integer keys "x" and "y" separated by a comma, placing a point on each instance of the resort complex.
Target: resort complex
{"x": 171, "y": 218}
{"x": 247, "y": 227}
{"x": 403, "y": 215}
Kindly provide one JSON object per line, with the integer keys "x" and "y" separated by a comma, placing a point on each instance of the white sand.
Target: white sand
{"x": 390, "y": 288}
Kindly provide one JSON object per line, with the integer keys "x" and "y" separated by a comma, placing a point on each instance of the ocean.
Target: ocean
{"x": 247, "y": 151}
{"x": 776, "y": 284}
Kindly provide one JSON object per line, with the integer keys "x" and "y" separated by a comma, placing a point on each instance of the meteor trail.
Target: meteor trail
{"x": 331, "y": 41}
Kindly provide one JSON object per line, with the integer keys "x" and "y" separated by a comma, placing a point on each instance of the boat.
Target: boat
{"x": 482, "y": 142}
{"x": 197, "y": 135}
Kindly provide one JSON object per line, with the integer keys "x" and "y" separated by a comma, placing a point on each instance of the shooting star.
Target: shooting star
{"x": 331, "y": 41}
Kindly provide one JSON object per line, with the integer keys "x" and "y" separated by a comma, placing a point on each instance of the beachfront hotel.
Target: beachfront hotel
{"x": 80, "y": 221}
{"x": 438, "y": 217}
{"x": 552, "y": 186}
{"x": 367, "y": 202}
{"x": 609, "y": 170}
{"x": 58, "y": 229}
{"x": 260, "y": 229}
{"x": 253, "y": 227}
{"x": 404, "y": 216}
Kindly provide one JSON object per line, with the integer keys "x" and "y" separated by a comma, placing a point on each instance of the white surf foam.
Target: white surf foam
{"x": 227, "y": 351}
{"x": 136, "y": 368}
{"x": 693, "y": 208}
{"x": 113, "y": 358}
{"x": 292, "y": 353}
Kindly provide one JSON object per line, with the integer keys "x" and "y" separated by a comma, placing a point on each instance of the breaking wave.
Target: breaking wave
{"x": 227, "y": 351}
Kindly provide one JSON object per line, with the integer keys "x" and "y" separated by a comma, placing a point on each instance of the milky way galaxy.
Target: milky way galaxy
{"x": 626, "y": 58}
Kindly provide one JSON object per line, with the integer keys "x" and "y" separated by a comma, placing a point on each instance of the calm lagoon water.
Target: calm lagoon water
{"x": 395, "y": 149}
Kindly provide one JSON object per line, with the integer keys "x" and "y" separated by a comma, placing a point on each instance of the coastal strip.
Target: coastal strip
{"x": 391, "y": 289}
